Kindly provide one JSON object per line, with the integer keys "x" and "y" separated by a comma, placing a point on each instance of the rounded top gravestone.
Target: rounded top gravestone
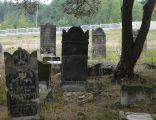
{"x": 74, "y": 59}
{"x": 98, "y": 43}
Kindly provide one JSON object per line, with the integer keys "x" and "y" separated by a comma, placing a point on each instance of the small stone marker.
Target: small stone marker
{"x": 98, "y": 43}
{"x": 22, "y": 85}
{"x": 134, "y": 116}
{"x": 74, "y": 59}
{"x": 48, "y": 39}
{"x": 130, "y": 94}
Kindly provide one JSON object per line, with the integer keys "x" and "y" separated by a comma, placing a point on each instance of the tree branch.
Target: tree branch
{"x": 141, "y": 37}
{"x": 127, "y": 35}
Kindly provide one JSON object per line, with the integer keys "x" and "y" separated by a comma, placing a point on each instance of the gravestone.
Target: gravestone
{"x": 98, "y": 43}
{"x": 22, "y": 84}
{"x": 44, "y": 72}
{"x": 48, "y": 39}
{"x": 74, "y": 59}
{"x": 133, "y": 94}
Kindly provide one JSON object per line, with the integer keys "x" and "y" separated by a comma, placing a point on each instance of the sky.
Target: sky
{"x": 42, "y": 1}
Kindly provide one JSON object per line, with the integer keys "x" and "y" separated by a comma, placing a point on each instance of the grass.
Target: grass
{"x": 58, "y": 107}
{"x": 113, "y": 43}
{"x": 154, "y": 116}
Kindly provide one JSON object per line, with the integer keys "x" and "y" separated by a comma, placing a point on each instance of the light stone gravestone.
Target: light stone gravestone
{"x": 22, "y": 85}
{"x": 134, "y": 116}
{"x": 133, "y": 94}
{"x": 74, "y": 59}
{"x": 98, "y": 43}
{"x": 48, "y": 52}
{"x": 47, "y": 41}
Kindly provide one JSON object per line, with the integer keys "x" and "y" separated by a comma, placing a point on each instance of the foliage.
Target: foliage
{"x": 7, "y": 23}
{"x": 92, "y": 12}
{"x": 23, "y": 21}
{"x": 154, "y": 116}
{"x": 80, "y": 8}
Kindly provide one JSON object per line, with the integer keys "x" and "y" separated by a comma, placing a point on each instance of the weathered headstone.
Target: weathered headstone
{"x": 48, "y": 52}
{"x": 48, "y": 39}
{"x": 22, "y": 84}
{"x": 133, "y": 94}
{"x": 74, "y": 59}
{"x": 98, "y": 43}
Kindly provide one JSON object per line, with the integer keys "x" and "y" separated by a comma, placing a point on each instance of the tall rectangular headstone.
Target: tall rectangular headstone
{"x": 74, "y": 59}
{"x": 48, "y": 39}
{"x": 98, "y": 43}
{"x": 22, "y": 84}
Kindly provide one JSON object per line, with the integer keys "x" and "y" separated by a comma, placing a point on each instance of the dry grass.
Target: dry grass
{"x": 68, "y": 106}
{"x": 113, "y": 43}
{"x": 62, "y": 107}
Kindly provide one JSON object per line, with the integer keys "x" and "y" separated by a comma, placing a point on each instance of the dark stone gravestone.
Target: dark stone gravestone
{"x": 74, "y": 59}
{"x": 98, "y": 43}
{"x": 48, "y": 39}
{"x": 22, "y": 84}
{"x": 44, "y": 72}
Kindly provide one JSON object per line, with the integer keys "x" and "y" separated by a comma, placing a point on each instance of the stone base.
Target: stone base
{"x": 49, "y": 57}
{"x": 26, "y": 118}
{"x": 74, "y": 87}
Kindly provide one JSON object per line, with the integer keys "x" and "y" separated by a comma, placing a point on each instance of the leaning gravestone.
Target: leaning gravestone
{"x": 98, "y": 43}
{"x": 48, "y": 39}
{"x": 22, "y": 84}
{"x": 74, "y": 59}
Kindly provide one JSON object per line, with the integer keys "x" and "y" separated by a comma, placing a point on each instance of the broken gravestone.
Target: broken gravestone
{"x": 48, "y": 41}
{"x": 74, "y": 59}
{"x": 22, "y": 84}
{"x": 135, "y": 94}
{"x": 134, "y": 116}
{"x": 98, "y": 43}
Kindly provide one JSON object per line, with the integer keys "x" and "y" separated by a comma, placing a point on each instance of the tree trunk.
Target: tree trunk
{"x": 131, "y": 49}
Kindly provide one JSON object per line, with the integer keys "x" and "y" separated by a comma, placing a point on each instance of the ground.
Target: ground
{"x": 102, "y": 102}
